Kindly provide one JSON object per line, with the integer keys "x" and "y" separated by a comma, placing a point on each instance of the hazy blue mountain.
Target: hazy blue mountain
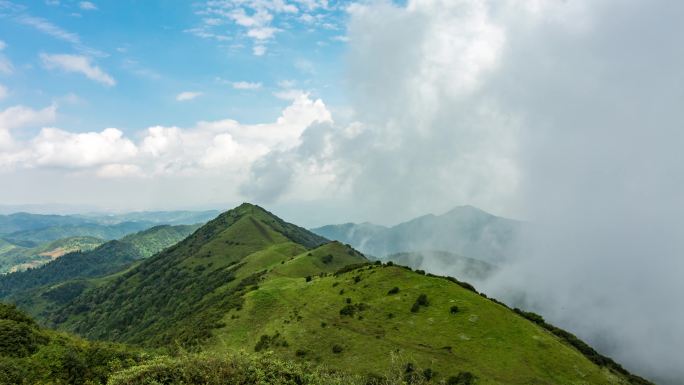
{"x": 465, "y": 230}
{"x": 157, "y": 217}
{"x": 25, "y": 221}
{"x": 30, "y": 230}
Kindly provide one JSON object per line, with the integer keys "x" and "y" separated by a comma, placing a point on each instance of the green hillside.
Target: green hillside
{"x": 248, "y": 281}
{"x": 17, "y": 258}
{"x": 179, "y": 295}
{"x": 107, "y": 258}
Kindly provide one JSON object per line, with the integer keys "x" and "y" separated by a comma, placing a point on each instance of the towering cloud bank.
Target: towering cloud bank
{"x": 567, "y": 114}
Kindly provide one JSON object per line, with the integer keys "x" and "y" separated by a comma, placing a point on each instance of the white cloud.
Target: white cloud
{"x": 57, "y": 148}
{"x": 246, "y": 85}
{"x": 209, "y": 147}
{"x": 117, "y": 170}
{"x": 21, "y": 116}
{"x": 87, "y": 6}
{"x": 188, "y": 95}
{"x": 17, "y": 117}
{"x": 260, "y": 20}
{"x": 3, "y": 92}
{"x": 78, "y": 64}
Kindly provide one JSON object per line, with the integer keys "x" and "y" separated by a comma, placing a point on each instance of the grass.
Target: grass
{"x": 484, "y": 338}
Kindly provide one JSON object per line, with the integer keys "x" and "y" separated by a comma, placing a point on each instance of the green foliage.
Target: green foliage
{"x": 463, "y": 378}
{"x": 241, "y": 369}
{"x": 337, "y": 349}
{"x": 328, "y": 258}
{"x": 31, "y": 355}
{"x": 453, "y": 309}
{"x": 422, "y": 300}
{"x": 393, "y": 290}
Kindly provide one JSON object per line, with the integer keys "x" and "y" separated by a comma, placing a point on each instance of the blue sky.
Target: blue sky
{"x": 155, "y": 50}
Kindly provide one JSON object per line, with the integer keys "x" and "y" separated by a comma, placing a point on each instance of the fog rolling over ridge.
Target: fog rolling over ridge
{"x": 565, "y": 114}
{"x": 465, "y": 230}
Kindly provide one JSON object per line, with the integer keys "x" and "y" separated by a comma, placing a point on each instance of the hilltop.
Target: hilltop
{"x": 249, "y": 281}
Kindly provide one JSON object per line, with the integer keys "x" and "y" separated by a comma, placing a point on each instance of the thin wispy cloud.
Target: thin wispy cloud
{"x": 49, "y": 28}
{"x": 246, "y": 86}
{"x": 77, "y": 64}
{"x": 188, "y": 95}
{"x": 6, "y": 66}
{"x": 87, "y": 6}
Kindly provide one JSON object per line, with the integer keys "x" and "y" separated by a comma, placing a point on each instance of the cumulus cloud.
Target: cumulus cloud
{"x": 210, "y": 147}
{"x": 3, "y": 92}
{"x": 188, "y": 95}
{"x": 58, "y": 148}
{"x": 77, "y": 64}
{"x": 246, "y": 85}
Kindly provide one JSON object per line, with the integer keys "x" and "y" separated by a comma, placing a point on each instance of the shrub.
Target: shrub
{"x": 357, "y": 279}
{"x": 463, "y": 378}
{"x": 429, "y": 374}
{"x": 422, "y": 300}
{"x": 337, "y": 349}
{"x": 327, "y": 259}
{"x": 308, "y": 278}
{"x": 348, "y": 310}
{"x": 348, "y": 300}
{"x": 454, "y": 309}
{"x": 300, "y": 353}
{"x": 394, "y": 290}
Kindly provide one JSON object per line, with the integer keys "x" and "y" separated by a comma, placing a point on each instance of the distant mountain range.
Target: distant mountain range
{"x": 464, "y": 231}
{"x": 108, "y": 226}
{"x": 29, "y": 240}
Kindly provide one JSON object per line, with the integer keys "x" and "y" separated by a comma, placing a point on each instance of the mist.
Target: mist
{"x": 564, "y": 114}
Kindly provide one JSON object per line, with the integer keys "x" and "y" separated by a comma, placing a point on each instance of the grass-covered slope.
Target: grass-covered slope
{"x": 371, "y": 319}
{"x": 108, "y": 258}
{"x": 180, "y": 294}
